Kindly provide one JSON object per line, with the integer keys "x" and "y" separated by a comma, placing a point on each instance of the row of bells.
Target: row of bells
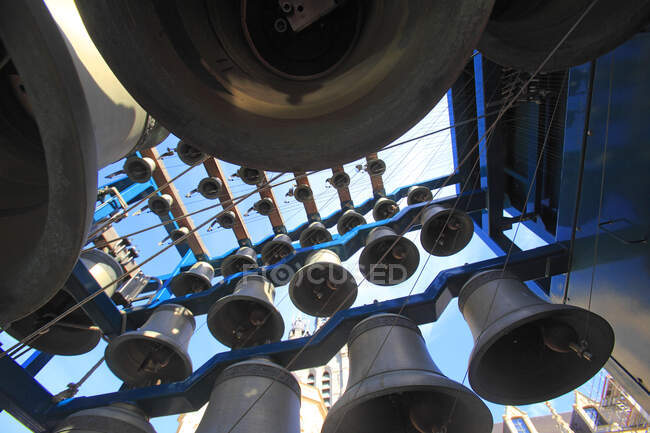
{"x": 526, "y": 350}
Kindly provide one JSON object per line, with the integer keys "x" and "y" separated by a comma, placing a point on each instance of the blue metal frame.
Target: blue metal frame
{"x": 131, "y": 192}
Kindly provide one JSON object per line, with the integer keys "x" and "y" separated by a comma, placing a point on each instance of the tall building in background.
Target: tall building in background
{"x": 609, "y": 408}
{"x": 320, "y": 387}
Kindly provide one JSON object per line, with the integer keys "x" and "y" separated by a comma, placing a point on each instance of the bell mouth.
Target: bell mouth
{"x": 398, "y": 265}
{"x": 321, "y": 289}
{"x": 184, "y": 284}
{"x": 513, "y": 364}
{"x": 138, "y": 170}
{"x": 274, "y": 252}
{"x": 235, "y": 265}
{"x": 445, "y": 233}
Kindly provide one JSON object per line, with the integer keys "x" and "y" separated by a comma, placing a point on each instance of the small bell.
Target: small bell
{"x": 349, "y": 220}
{"x": 264, "y": 206}
{"x": 384, "y": 208}
{"x": 160, "y": 204}
{"x": 322, "y": 286}
{"x": 418, "y": 194}
{"x": 376, "y": 167}
{"x": 401, "y": 257}
{"x": 316, "y": 233}
{"x": 178, "y": 233}
{"x": 189, "y": 154}
{"x": 227, "y": 219}
{"x": 247, "y": 317}
{"x": 303, "y": 193}
{"x": 340, "y": 180}
{"x": 244, "y": 259}
{"x": 445, "y": 231}
{"x": 210, "y": 187}
{"x": 138, "y": 169}
{"x": 250, "y": 176}
{"x": 197, "y": 279}
{"x": 276, "y": 249}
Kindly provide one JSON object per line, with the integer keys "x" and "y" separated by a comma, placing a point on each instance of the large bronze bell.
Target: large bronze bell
{"x": 445, "y": 231}
{"x": 139, "y": 169}
{"x": 253, "y": 396}
{"x": 160, "y": 204}
{"x": 303, "y": 193}
{"x": 156, "y": 352}
{"x": 118, "y": 417}
{"x": 316, "y": 233}
{"x": 247, "y": 317}
{"x": 76, "y": 333}
{"x": 227, "y": 219}
{"x": 189, "y": 154}
{"x": 244, "y": 259}
{"x": 384, "y": 208}
{"x": 394, "y": 386}
{"x": 400, "y": 260}
{"x": 276, "y": 249}
{"x": 526, "y": 349}
{"x": 264, "y": 206}
{"x": 349, "y": 220}
{"x": 418, "y": 194}
{"x": 322, "y": 286}
{"x": 196, "y": 279}
{"x": 250, "y": 176}
{"x": 210, "y": 187}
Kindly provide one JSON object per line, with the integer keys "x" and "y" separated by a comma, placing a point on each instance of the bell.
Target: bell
{"x": 65, "y": 115}
{"x": 250, "y": 176}
{"x": 264, "y": 206}
{"x": 160, "y": 204}
{"x": 197, "y": 279}
{"x": 244, "y": 259}
{"x": 376, "y": 167}
{"x": 118, "y": 417}
{"x": 303, "y": 193}
{"x": 322, "y": 286}
{"x": 340, "y": 180}
{"x": 418, "y": 194}
{"x": 384, "y": 208}
{"x": 399, "y": 263}
{"x": 227, "y": 219}
{"x": 139, "y": 169}
{"x": 210, "y": 187}
{"x": 247, "y": 317}
{"x": 349, "y": 220}
{"x": 189, "y": 154}
{"x": 526, "y": 349}
{"x": 76, "y": 333}
{"x": 276, "y": 249}
{"x": 157, "y": 352}
{"x": 253, "y": 396}
{"x": 178, "y": 233}
{"x": 394, "y": 386}
{"x": 445, "y": 231}
{"x": 316, "y": 233}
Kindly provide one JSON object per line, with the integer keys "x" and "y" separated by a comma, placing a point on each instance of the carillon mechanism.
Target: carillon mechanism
{"x": 76, "y": 333}
{"x": 349, "y": 220}
{"x": 528, "y": 350}
{"x": 210, "y": 187}
{"x": 197, "y": 279}
{"x": 253, "y": 396}
{"x": 157, "y": 352}
{"x": 340, "y": 180}
{"x": 160, "y": 204}
{"x": 418, "y": 194}
{"x": 247, "y": 317}
{"x": 227, "y": 219}
{"x": 303, "y": 193}
{"x": 139, "y": 169}
{"x": 277, "y": 249}
{"x": 394, "y": 386}
{"x": 244, "y": 259}
{"x": 384, "y": 208}
{"x": 388, "y": 258}
{"x": 322, "y": 286}
{"x": 118, "y": 417}
{"x": 376, "y": 167}
{"x": 316, "y": 233}
{"x": 189, "y": 154}
{"x": 250, "y": 176}
{"x": 264, "y": 206}
{"x": 445, "y": 231}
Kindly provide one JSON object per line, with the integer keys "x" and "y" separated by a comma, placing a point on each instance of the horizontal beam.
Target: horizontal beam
{"x": 192, "y": 393}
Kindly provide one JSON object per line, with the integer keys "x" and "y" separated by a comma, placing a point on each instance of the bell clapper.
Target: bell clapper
{"x": 257, "y": 317}
{"x": 581, "y": 349}
{"x": 152, "y": 365}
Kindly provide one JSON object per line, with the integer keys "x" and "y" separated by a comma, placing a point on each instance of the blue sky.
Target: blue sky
{"x": 449, "y": 339}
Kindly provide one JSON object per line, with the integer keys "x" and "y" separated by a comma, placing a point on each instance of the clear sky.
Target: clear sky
{"x": 449, "y": 339}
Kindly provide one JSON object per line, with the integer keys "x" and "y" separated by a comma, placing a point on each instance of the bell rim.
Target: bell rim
{"x": 495, "y": 331}
{"x": 184, "y": 160}
{"x": 210, "y": 179}
{"x": 275, "y": 316}
{"x": 412, "y": 190}
{"x": 313, "y": 227}
{"x": 113, "y": 349}
{"x": 411, "y": 247}
{"x": 349, "y": 214}
{"x": 176, "y": 282}
{"x": 382, "y": 202}
{"x": 426, "y": 243}
{"x": 273, "y": 243}
{"x": 145, "y": 178}
{"x": 350, "y": 281}
{"x": 438, "y": 383}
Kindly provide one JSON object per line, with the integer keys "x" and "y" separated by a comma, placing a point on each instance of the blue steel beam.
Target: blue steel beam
{"x": 130, "y": 192}
{"x": 192, "y": 393}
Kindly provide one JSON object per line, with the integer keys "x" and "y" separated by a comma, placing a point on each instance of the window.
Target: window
{"x": 520, "y": 425}
{"x": 325, "y": 388}
{"x": 310, "y": 379}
